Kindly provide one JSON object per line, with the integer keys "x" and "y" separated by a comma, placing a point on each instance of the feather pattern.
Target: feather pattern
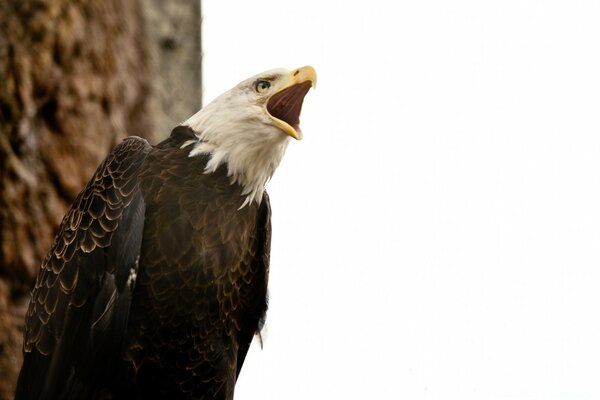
{"x": 155, "y": 285}
{"x": 80, "y": 303}
{"x": 157, "y": 280}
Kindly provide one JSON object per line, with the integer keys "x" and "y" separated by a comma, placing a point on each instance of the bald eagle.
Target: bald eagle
{"x": 157, "y": 280}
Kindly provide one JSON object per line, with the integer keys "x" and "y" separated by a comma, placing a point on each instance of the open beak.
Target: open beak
{"x": 285, "y": 105}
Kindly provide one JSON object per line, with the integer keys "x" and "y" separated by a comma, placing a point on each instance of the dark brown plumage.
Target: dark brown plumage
{"x": 192, "y": 317}
{"x": 157, "y": 280}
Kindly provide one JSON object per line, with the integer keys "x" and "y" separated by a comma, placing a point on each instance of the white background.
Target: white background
{"x": 436, "y": 235}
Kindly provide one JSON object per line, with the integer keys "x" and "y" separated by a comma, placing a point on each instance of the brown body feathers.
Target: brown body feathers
{"x": 155, "y": 285}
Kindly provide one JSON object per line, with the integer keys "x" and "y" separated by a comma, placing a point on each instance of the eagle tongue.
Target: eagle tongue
{"x": 287, "y": 104}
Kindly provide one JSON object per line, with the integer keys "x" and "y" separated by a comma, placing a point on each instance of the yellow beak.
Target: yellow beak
{"x": 305, "y": 74}
{"x": 285, "y": 105}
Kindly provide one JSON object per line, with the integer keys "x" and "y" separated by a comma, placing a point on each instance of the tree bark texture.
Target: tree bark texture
{"x": 74, "y": 81}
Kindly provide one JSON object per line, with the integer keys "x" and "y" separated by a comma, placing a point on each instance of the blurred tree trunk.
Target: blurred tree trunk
{"x": 175, "y": 49}
{"x": 74, "y": 83}
{"x": 75, "y": 79}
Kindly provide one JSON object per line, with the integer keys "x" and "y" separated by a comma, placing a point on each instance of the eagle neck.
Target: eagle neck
{"x": 251, "y": 154}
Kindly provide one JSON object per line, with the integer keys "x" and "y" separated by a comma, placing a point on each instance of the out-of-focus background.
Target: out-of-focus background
{"x": 76, "y": 77}
{"x": 436, "y": 230}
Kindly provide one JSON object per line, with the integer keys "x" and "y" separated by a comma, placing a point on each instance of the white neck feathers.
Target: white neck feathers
{"x": 245, "y": 141}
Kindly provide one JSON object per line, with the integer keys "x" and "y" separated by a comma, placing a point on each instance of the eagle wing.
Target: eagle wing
{"x": 77, "y": 317}
{"x": 258, "y": 293}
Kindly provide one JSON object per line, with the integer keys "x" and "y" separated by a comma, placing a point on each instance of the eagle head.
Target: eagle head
{"x": 248, "y": 127}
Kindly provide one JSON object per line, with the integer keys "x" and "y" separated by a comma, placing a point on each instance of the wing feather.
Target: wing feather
{"x": 258, "y": 295}
{"x": 77, "y": 317}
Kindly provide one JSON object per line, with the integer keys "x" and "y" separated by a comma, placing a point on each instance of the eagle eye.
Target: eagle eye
{"x": 262, "y": 86}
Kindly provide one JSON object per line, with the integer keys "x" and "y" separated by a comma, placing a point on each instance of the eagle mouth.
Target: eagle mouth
{"x": 286, "y": 105}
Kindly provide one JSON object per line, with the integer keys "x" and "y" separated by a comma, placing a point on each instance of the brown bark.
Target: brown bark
{"x": 73, "y": 82}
